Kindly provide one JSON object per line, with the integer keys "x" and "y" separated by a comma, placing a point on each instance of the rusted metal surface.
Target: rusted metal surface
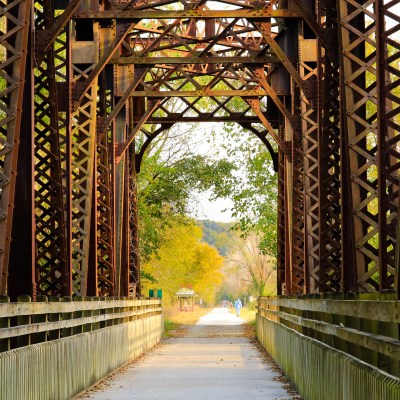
{"x": 51, "y": 242}
{"x": 318, "y": 79}
{"x": 14, "y": 45}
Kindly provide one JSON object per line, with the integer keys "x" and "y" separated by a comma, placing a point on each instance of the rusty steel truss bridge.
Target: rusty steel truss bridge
{"x": 81, "y": 80}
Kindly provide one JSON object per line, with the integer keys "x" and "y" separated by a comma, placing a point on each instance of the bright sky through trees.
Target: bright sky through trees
{"x": 218, "y": 210}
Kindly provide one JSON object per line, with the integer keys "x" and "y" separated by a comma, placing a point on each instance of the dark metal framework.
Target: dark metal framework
{"x": 81, "y": 79}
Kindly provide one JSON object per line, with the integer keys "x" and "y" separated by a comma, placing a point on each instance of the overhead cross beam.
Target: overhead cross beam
{"x": 182, "y": 14}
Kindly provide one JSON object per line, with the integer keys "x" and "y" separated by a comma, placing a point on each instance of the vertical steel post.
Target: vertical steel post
{"x": 17, "y": 17}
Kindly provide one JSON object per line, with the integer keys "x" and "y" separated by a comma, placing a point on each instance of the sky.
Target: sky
{"x": 203, "y": 208}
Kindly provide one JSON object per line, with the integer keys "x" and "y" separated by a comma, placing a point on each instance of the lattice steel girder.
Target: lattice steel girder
{"x": 82, "y": 87}
{"x": 83, "y": 163}
{"x": 201, "y": 93}
{"x": 330, "y": 206}
{"x": 282, "y": 223}
{"x": 52, "y": 244}
{"x": 44, "y": 38}
{"x": 185, "y": 60}
{"x": 229, "y": 36}
{"x": 83, "y": 131}
{"x": 137, "y": 15}
{"x": 15, "y": 31}
{"x": 204, "y": 117}
{"x": 105, "y": 249}
{"x": 372, "y": 185}
{"x": 388, "y": 82}
{"x": 340, "y": 175}
{"x": 121, "y": 254}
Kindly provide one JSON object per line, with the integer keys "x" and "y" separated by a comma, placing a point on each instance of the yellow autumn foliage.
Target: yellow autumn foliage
{"x": 183, "y": 261}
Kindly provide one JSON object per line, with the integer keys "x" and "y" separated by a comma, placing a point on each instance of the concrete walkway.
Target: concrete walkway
{"x": 212, "y": 361}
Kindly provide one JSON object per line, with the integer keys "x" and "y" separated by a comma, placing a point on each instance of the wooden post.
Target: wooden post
{"x": 53, "y": 317}
{"x": 4, "y": 323}
{"x": 89, "y": 313}
{"x": 103, "y": 311}
{"x": 24, "y": 340}
{"x": 65, "y": 316}
{"x": 40, "y": 337}
{"x": 78, "y": 314}
{"x": 96, "y": 312}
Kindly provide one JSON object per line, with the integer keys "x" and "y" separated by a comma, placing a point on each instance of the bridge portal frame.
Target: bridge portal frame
{"x": 81, "y": 79}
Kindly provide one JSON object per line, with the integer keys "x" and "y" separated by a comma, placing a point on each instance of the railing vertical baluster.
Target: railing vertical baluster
{"x": 125, "y": 309}
{"x": 88, "y": 313}
{"x": 96, "y": 312}
{"x": 131, "y": 310}
{"x": 114, "y": 310}
{"x": 66, "y": 316}
{"x": 54, "y": 317}
{"x": 40, "y": 337}
{"x": 103, "y": 311}
{"x": 353, "y": 322}
{"x": 339, "y": 319}
{"x": 78, "y": 314}
{"x": 391, "y": 330}
{"x": 24, "y": 340}
{"x": 4, "y": 323}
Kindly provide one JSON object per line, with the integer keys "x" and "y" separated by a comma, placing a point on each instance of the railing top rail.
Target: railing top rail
{"x": 378, "y": 310}
{"x": 35, "y": 308}
{"x": 48, "y": 326}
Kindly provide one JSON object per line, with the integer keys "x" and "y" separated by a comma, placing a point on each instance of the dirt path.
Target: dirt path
{"x": 213, "y": 360}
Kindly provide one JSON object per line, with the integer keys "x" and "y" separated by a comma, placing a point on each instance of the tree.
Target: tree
{"x": 183, "y": 260}
{"x": 216, "y": 234}
{"x": 252, "y": 272}
{"x": 253, "y": 188}
{"x": 170, "y": 172}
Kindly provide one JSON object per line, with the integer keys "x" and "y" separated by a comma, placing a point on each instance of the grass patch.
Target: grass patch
{"x": 246, "y": 313}
{"x": 249, "y": 315}
{"x": 176, "y": 322}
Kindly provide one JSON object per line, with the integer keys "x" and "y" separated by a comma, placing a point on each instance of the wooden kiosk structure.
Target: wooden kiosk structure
{"x": 186, "y": 299}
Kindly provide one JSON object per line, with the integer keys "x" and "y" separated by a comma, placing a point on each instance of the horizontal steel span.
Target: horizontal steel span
{"x": 200, "y": 93}
{"x": 137, "y": 15}
{"x": 184, "y": 60}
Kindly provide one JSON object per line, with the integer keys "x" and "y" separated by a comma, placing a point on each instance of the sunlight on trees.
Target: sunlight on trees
{"x": 226, "y": 163}
{"x": 248, "y": 270}
{"x": 184, "y": 261}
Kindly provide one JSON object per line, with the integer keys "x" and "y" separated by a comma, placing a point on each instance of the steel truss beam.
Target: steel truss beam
{"x": 51, "y": 137}
{"x": 183, "y": 14}
{"x": 369, "y": 82}
{"x": 14, "y": 44}
{"x": 321, "y": 80}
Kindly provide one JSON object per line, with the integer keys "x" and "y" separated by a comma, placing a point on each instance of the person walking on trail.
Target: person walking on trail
{"x": 238, "y": 306}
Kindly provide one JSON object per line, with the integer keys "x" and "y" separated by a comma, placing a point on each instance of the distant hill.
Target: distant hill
{"x": 216, "y": 234}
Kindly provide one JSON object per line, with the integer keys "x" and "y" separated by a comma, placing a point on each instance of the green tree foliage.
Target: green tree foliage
{"x": 255, "y": 202}
{"x": 216, "y": 234}
{"x": 253, "y": 188}
{"x": 169, "y": 174}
